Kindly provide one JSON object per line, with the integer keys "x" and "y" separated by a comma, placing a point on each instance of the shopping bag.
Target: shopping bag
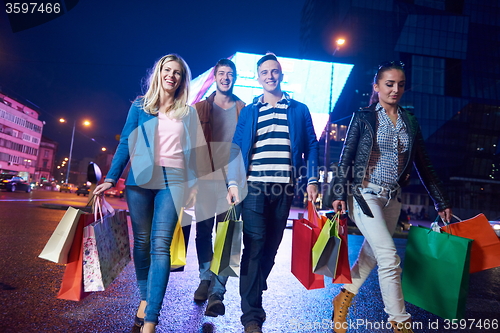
{"x": 304, "y": 235}
{"x": 72, "y": 282}
{"x": 106, "y": 249}
{"x": 343, "y": 273}
{"x": 325, "y": 252}
{"x": 485, "y": 251}
{"x": 59, "y": 244}
{"x": 436, "y": 272}
{"x": 227, "y": 245}
{"x": 180, "y": 240}
{"x": 314, "y": 217}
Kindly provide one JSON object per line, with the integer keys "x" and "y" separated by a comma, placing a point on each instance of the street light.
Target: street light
{"x": 85, "y": 123}
{"x": 339, "y": 42}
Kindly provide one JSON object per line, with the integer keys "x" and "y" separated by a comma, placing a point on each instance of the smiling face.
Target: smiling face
{"x": 171, "y": 76}
{"x": 270, "y": 76}
{"x": 390, "y": 87}
{"x": 224, "y": 79}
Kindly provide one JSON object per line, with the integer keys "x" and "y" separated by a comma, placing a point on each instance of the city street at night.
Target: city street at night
{"x": 29, "y": 285}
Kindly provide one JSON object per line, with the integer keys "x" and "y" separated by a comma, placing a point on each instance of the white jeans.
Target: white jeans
{"x": 378, "y": 248}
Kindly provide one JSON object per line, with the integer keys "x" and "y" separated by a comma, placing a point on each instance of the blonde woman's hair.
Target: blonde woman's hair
{"x": 151, "y": 98}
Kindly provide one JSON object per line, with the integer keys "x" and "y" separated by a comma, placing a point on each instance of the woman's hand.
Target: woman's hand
{"x": 446, "y": 215}
{"x": 191, "y": 199}
{"x": 102, "y": 187}
{"x": 339, "y": 206}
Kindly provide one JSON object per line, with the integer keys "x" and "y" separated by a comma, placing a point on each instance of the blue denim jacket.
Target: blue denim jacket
{"x": 304, "y": 144}
{"x": 137, "y": 145}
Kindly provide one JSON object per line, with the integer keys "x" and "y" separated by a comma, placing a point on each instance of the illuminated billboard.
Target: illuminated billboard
{"x": 317, "y": 84}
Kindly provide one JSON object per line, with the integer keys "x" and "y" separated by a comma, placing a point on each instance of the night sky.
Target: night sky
{"x": 90, "y": 62}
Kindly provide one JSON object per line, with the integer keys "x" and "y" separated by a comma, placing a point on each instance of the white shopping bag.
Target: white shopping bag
{"x": 59, "y": 244}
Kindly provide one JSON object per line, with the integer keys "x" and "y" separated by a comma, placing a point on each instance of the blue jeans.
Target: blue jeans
{"x": 265, "y": 214}
{"x": 154, "y": 214}
{"x": 211, "y": 207}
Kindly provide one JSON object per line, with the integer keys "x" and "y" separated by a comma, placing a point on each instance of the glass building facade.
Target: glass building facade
{"x": 451, "y": 49}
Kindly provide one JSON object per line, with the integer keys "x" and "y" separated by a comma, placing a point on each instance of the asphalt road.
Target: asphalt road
{"x": 29, "y": 285}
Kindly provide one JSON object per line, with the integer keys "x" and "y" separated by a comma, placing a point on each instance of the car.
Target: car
{"x": 114, "y": 192}
{"x": 83, "y": 190}
{"x": 14, "y": 183}
{"x": 118, "y": 190}
{"x": 496, "y": 226}
{"x": 67, "y": 188}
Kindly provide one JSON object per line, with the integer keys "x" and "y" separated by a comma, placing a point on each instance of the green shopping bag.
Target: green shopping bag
{"x": 436, "y": 272}
{"x": 325, "y": 252}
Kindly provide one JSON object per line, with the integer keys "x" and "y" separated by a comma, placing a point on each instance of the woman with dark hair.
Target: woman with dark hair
{"x": 382, "y": 144}
{"x": 158, "y": 137}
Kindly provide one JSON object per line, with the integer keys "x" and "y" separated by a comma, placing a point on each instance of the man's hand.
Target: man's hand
{"x": 339, "y": 206}
{"x": 446, "y": 215}
{"x": 233, "y": 197}
{"x": 312, "y": 192}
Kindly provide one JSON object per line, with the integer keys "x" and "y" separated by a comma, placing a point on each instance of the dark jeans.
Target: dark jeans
{"x": 154, "y": 214}
{"x": 265, "y": 214}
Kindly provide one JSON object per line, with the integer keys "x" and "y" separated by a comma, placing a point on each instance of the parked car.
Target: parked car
{"x": 83, "y": 190}
{"x": 14, "y": 183}
{"x": 496, "y": 226}
{"x": 67, "y": 188}
{"x": 118, "y": 190}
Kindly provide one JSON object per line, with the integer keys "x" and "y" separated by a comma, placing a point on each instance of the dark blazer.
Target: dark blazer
{"x": 348, "y": 177}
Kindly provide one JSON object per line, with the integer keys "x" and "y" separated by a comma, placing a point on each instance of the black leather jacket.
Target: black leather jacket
{"x": 348, "y": 177}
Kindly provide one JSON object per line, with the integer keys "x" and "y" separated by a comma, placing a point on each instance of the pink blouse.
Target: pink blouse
{"x": 169, "y": 149}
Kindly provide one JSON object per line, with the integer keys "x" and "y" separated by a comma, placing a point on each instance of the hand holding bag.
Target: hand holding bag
{"x": 485, "y": 251}
{"x": 227, "y": 245}
{"x": 304, "y": 235}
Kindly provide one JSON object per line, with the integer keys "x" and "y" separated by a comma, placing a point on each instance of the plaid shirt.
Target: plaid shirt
{"x": 390, "y": 150}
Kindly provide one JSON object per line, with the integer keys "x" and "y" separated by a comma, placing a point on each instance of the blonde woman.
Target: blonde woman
{"x": 157, "y": 138}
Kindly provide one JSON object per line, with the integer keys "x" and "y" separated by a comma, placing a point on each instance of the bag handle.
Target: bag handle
{"x": 231, "y": 213}
{"x": 101, "y": 206}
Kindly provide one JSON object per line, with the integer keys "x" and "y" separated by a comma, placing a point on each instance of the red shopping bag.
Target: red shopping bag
{"x": 485, "y": 251}
{"x": 343, "y": 273}
{"x": 72, "y": 281}
{"x": 304, "y": 235}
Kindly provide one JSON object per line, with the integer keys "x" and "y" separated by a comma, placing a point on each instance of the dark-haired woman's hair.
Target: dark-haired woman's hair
{"x": 384, "y": 67}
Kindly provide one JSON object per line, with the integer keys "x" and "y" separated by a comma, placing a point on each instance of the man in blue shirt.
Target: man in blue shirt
{"x": 277, "y": 142}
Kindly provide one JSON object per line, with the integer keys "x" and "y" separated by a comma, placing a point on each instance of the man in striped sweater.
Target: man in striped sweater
{"x": 277, "y": 143}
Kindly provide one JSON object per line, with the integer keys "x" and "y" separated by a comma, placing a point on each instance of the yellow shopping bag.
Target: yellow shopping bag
{"x": 178, "y": 248}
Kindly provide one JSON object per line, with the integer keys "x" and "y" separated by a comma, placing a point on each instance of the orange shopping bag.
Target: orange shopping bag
{"x": 485, "y": 251}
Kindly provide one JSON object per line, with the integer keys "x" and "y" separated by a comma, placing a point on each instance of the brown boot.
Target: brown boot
{"x": 404, "y": 327}
{"x": 341, "y": 304}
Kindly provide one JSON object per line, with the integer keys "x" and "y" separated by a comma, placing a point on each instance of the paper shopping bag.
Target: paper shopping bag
{"x": 59, "y": 244}
{"x": 72, "y": 282}
{"x": 227, "y": 246}
{"x": 343, "y": 273}
{"x": 325, "y": 252}
{"x": 304, "y": 235}
{"x": 485, "y": 251}
{"x": 180, "y": 240}
{"x": 106, "y": 250}
{"x": 436, "y": 272}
